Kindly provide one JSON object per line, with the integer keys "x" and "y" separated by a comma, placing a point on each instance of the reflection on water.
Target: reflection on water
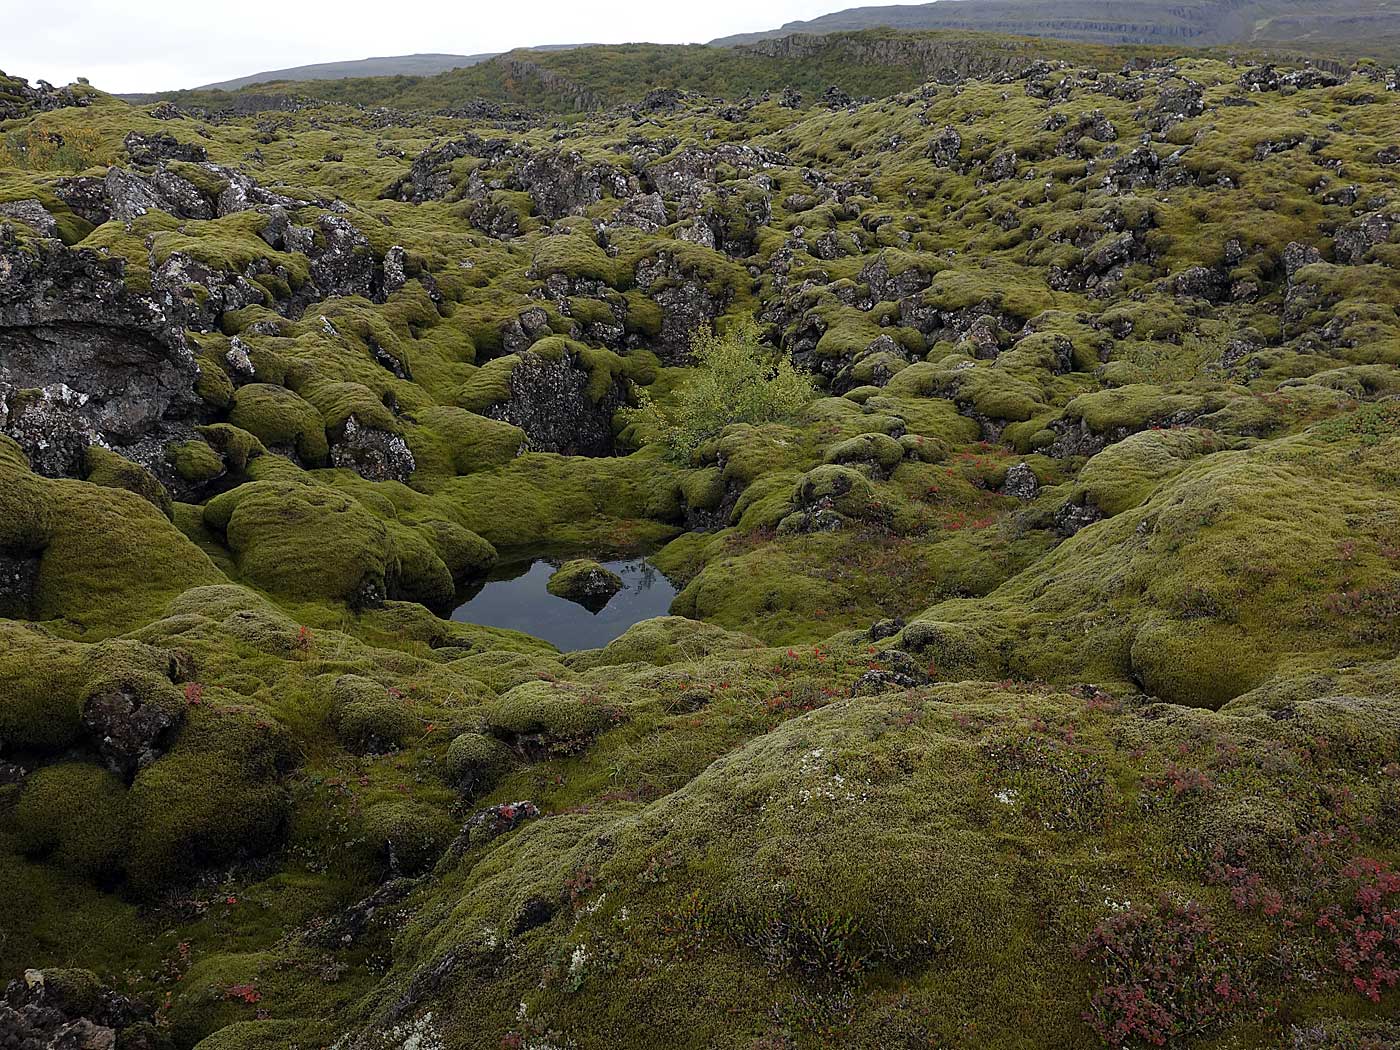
{"x": 514, "y": 596}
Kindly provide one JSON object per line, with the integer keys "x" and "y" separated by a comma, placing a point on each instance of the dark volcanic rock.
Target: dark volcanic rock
{"x": 21, "y": 100}
{"x": 944, "y": 148}
{"x": 1200, "y": 282}
{"x": 125, "y": 195}
{"x": 565, "y": 184}
{"x": 550, "y": 402}
{"x": 430, "y": 176}
{"x": 585, "y": 583}
{"x": 32, "y": 214}
{"x": 18, "y": 576}
{"x": 152, "y": 149}
{"x": 1354, "y": 241}
{"x": 375, "y": 455}
{"x": 346, "y": 266}
{"x": 686, "y": 304}
{"x": 492, "y": 822}
{"x": 198, "y": 296}
{"x": 71, "y": 1010}
{"x": 83, "y": 360}
{"x": 127, "y": 730}
{"x": 1021, "y": 483}
{"x": 1072, "y": 517}
{"x": 380, "y": 912}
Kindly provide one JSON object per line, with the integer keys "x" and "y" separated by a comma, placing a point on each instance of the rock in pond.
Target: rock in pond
{"x": 585, "y": 582}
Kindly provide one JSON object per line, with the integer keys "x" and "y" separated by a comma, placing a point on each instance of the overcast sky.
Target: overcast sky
{"x": 154, "y": 45}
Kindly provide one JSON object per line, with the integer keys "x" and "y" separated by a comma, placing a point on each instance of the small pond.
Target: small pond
{"x": 514, "y": 596}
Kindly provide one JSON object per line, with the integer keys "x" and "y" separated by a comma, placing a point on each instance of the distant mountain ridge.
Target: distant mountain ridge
{"x": 389, "y": 66}
{"x": 419, "y": 65}
{"x": 1340, "y": 27}
{"x": 1199, "y": 23}
{"x": 869, "y": 63}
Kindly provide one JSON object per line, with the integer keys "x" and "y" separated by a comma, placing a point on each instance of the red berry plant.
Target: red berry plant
{"x": 1366, "y": 932}
{"x": 1166, "y": 974}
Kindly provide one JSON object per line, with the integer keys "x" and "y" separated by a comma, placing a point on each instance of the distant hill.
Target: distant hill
{"x": 392, "y": 66}
{"x": 870, "y": 63}
{"x": 579, "y": 77}
{"x": 424, "y": 65}
{"x": 1366, "y": 26}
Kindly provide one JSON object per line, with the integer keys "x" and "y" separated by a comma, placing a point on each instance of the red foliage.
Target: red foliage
{"x": 1182, "y": 780}
{"x": 1166, "y": 975}
{"x": 244, "y": 993}
{"x": 1367, "y": 932}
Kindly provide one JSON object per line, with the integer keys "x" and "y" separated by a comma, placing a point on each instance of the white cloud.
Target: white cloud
{"x": 153, "y": 45}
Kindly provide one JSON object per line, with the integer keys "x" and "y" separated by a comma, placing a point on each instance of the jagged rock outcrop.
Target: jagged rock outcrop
{"x": 686, "y": 300}
{"x": 85, "y": 361}
{"x": 126, "y": 728}
{"x": 374, "y": 454}
{"x": 19, "y": 99}
{"x": 549, "y": 402}
{"x": 430, "y": 175}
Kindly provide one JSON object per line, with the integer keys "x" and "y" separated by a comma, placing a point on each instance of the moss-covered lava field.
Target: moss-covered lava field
{"x": 1032, "y": 685}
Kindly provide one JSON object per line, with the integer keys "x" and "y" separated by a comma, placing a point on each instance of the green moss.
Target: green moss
{"x": 553, "y": 716}
{"x": 880, "y": 451}
{"x": 142, "y": 562}
{"x": 802, "y": 845}
{"x": 474, "y": 762}
{"x": 367, "y": 718}
{"x": 574, "y": 255}
{"x": 280, "y": 420}
{"x": 214, "y": 796}
{"x": 304, "y": 541}
{"x": 237, "y": 447}
{"x": 466, "y": 442}
{"x": 73, "y": 815}
{"x": 584, "y": 581}
{"x": 1124, "y": 474}
{"x": 105, "y": 467}
{"x": 195, "y": 461}
{"x": 662, "y": 641}
{"x": 1200, "y": 663}
{"x": 407, "y": 836}
{"x": 464, "y": 554}
{"x": 256, "y": 1035}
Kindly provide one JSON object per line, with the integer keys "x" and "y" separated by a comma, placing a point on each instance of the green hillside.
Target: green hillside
{"x": 866, "y": 64}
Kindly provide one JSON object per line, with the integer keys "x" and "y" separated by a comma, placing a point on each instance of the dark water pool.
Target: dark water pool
{"x": 514, "y": 596}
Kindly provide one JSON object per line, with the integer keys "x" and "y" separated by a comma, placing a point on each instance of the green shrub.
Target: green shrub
{"x": 736, "y": 380}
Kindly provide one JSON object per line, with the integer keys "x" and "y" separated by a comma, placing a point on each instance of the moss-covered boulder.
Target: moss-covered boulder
{"x": 282, "y": 421}
{"x": 305, "y": 541}
{"x": 104, "y": 467}
{"x": 584, "y": 582}
{"x": 541, "y": 718}
{"x": 368, "y": 719}
{"x": 474, "y": 762}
